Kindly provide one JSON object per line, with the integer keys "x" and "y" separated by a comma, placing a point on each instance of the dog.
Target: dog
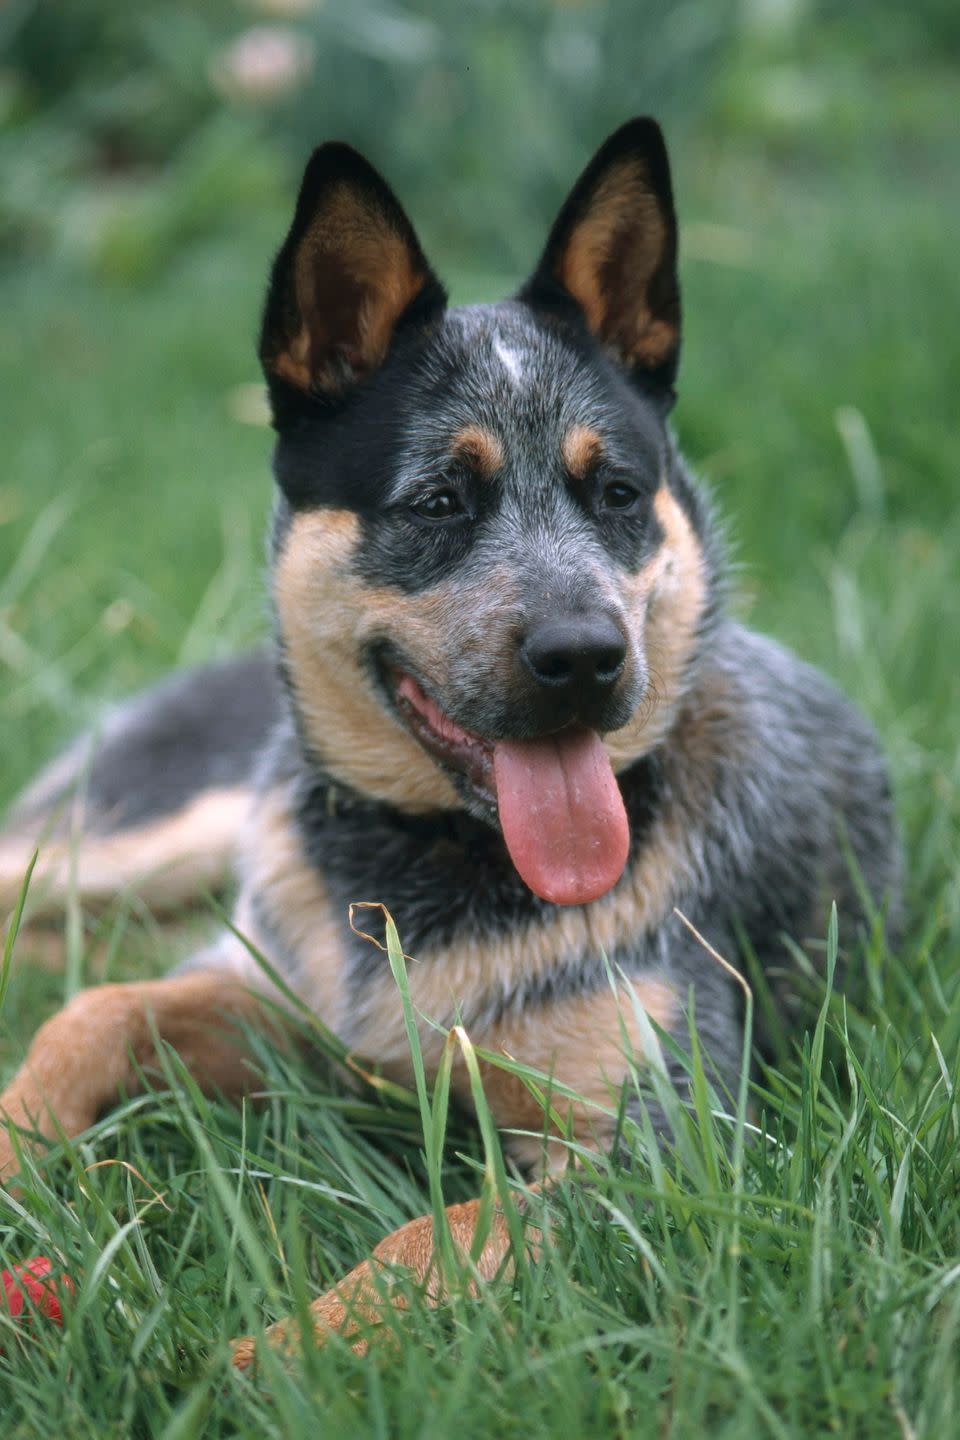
{"x": 506, "y": 699}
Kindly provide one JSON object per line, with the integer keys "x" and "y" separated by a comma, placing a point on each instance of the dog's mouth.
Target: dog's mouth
{"x": 446, "y": 741}
{"x": 557, "y": 798}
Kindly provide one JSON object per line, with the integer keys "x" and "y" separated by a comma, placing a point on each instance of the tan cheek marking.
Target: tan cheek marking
{"x": 667, "y": 599}
{"x": 581, "y": 449}
{"x": 325, "y": 615}
{"x": 479, "y": 448}
{"x": 277, "y": 879}
{"x": 165, "y": 862}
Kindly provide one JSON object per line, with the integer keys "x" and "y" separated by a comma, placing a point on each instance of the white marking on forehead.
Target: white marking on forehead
{"x": 510, "y": 359}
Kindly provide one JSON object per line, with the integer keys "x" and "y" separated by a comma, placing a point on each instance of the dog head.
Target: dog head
{"x": 488, "y": 574}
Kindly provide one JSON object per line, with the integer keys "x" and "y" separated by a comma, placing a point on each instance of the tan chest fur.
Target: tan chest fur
{"x": 579, "y": 1039}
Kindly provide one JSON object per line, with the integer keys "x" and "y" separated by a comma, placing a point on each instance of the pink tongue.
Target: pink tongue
{"x": 562, "y": 815}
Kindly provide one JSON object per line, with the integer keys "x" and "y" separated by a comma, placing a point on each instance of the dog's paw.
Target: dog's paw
{"x": 243, "y": 1352}
{"x": 343, "y": 1311}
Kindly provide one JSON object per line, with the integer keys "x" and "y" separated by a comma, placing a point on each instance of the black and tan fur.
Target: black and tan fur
{"x": 453, "y": 485}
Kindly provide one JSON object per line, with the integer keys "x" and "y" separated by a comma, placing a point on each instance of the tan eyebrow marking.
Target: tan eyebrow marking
{"x": 479, "y": 448}
{"x": 582, "y": 448}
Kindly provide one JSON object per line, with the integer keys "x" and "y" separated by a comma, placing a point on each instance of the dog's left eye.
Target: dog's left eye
{"x": 618, "y": 495}
{"x": 441, "y": 505}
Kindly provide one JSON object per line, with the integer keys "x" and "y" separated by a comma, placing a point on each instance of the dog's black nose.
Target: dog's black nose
{"x": 575, "y": 654}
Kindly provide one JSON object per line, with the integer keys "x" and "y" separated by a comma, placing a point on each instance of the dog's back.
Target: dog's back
{"x": 153, "y": 801}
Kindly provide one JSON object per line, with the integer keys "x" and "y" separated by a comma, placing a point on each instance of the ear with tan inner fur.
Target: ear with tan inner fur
{"x": 613, "y": 250}
{"x": 349, "y": 270}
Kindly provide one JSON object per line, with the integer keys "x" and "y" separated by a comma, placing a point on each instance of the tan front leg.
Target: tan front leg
{"x": 360, "y": 1298}
{"x": 93, "y": 1049}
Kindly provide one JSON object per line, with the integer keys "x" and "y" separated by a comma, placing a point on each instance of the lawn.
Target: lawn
{"x": 792, "y": 1268}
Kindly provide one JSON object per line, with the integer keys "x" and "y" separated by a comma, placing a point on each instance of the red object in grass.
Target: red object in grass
{"x": 33, "y": 1281}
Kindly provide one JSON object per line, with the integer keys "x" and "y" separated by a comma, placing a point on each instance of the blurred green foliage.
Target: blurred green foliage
{"x": 127, "y": 130}
{"x": 484, "y": 104}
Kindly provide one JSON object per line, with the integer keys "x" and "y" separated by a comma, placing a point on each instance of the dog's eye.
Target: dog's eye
{"x": 441, "y": 505}
{"x": 618, "y": 496}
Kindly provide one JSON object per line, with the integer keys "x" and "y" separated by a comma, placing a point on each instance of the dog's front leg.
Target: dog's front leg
{"x": 96, "y": 1046}
{"x": 361, "y": 1297}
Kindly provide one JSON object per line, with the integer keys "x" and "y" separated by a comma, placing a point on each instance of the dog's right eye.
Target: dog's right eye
{"x": 441, "y": 505}
{"x": 618, "y": 496}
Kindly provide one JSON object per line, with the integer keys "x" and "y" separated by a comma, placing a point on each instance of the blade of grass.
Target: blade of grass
{"x": 13, "y": 930}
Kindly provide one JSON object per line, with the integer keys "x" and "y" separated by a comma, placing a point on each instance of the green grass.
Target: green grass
{"x": 805, "y": 1282}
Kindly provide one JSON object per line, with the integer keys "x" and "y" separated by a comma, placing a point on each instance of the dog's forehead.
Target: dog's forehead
{"x": 500, "y": 368}
{"x": 524, "y": 400}
{"x": 507, "y": 350}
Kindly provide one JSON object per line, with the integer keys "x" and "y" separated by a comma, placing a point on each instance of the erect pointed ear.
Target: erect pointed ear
{"x": 613, "y": 249}
{"x": 349, "y": 271}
